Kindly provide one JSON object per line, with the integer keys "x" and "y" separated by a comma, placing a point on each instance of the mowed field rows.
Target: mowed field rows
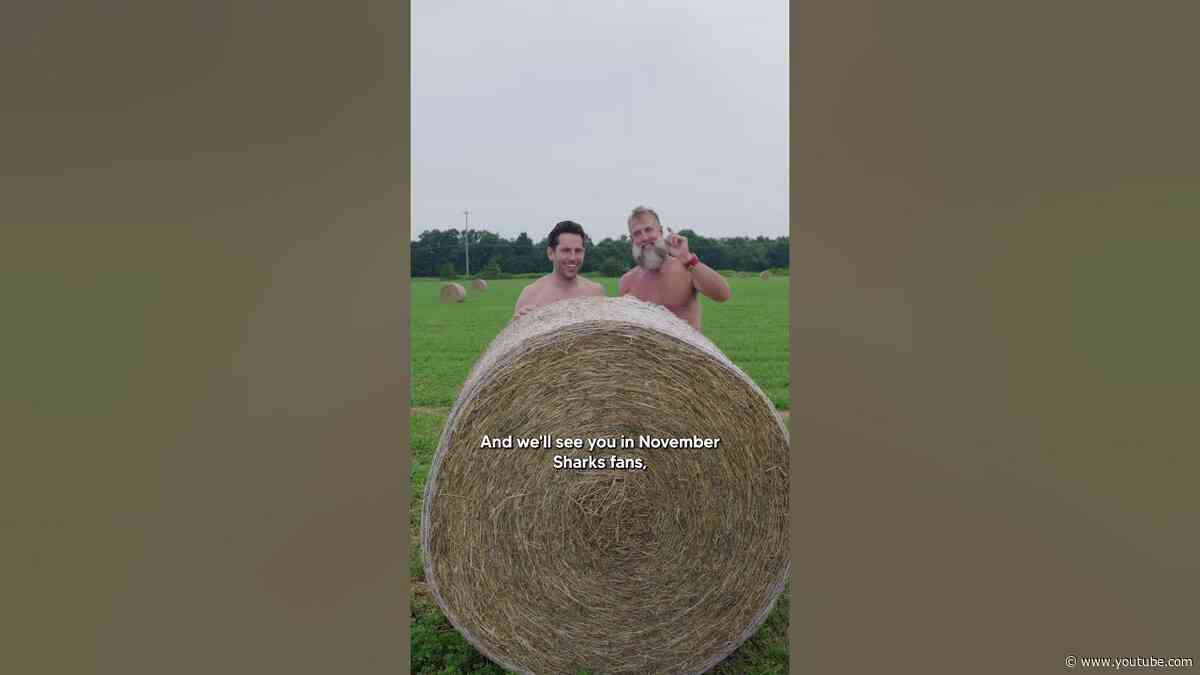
{"x": 751, "y": 329}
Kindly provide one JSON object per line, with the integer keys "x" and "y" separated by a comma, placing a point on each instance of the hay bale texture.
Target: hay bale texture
{"x": 479, "y": 285}
{"x": 663, "y": 570}
{"x": 453, "y": 293}
{"x": 766, "y": 274}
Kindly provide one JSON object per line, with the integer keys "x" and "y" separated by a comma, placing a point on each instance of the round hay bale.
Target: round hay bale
{"x": 559, "y": 570}
{"x": 766, "y": 274}
{"x": 453, "y": 293}
{"x": 479, "y": 285}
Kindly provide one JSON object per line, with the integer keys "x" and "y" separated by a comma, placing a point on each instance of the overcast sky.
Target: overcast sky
{"x": 528, "y": 112}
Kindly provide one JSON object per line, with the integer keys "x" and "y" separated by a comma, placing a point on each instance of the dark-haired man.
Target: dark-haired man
{"x": 667, "y": 273}
{"x": 565, "y": 250}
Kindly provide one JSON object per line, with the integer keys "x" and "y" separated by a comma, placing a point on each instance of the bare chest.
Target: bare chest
{"x": 671, "y": 288}
{"x": 549, "y": 293}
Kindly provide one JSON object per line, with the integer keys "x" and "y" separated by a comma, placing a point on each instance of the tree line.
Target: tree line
{"x": 442, "y": 253}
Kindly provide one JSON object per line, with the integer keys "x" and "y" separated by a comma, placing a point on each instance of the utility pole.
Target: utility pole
{"x": 467, "y": 239}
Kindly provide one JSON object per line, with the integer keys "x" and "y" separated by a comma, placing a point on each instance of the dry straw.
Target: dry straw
{"x": 665, "y": 570}
{"x": 766, "y": 274}
{"x": 453, "y": 293}
{"x": 479, "y": 285}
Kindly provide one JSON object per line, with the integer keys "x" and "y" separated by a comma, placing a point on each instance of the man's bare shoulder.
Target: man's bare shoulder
{"x": 591, "y": 288}
{"x": 626, "y": 280}
{"x": 538, "y": 283}
{"x": 530, "y": 293}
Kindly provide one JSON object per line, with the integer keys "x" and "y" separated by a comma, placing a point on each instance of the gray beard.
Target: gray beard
{"x": 651, "y": 256}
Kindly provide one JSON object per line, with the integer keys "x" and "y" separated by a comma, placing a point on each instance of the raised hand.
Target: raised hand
{"x": 677, "y": 246}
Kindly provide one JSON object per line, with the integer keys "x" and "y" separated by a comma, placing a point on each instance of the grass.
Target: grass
{"x": 751, "y": 329}
{"x": 447, "y": 339}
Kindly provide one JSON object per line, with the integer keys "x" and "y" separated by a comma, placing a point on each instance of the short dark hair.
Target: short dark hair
{"x": 567, "y": 227}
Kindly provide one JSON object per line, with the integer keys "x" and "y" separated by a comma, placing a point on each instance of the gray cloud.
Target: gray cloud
{"x": 527, "y": 113}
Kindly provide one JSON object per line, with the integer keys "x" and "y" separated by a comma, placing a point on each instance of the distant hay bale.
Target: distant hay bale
{"x": 453, "y": 292}
{"x": 766, "y": 274}
{"x": 662, "y": 570}
{"x": 479, "y": 285}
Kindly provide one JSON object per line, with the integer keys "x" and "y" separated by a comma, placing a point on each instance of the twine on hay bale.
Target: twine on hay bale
{"x": 766, "y": 274}
{"x": 665, "y": 570}
{"x": 479, "y": 285}
{"x": 453, "y": 293}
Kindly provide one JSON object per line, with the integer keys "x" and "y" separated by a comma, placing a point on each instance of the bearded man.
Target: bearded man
{"x": 565, "y": 249}
{"x": 667, "y": 273}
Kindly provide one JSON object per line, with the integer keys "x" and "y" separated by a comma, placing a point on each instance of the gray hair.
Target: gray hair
{"x": 641, "y": 211}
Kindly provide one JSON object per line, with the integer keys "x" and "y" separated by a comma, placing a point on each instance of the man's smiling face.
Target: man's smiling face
{"x": 567, "y": 257}
{"x": 649, "y": 248}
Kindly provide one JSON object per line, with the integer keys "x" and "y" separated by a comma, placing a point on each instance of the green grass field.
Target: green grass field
{"x": 751, "y": 329}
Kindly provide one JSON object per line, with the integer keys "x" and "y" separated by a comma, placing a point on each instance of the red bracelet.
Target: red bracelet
{"x": 695, "y": 260}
